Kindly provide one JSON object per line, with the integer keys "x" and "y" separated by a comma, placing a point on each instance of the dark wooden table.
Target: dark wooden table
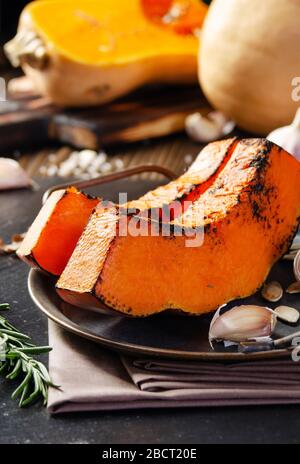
{"x": 272, "y": 424}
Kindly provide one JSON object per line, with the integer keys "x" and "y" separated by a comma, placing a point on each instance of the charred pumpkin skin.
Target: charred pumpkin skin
{"x": 93, "y": 52}
{"x": 53, "y": 235}
{"x": 251, "y": 213}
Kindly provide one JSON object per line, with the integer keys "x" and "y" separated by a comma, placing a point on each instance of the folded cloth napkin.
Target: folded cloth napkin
{"x": 93, "y": 378}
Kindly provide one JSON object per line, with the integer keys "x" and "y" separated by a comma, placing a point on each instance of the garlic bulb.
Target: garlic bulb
{"x": 12, "y": 175}
{"x": 208, "y": 128}
{"x": 288, "y": 137}
{"x": 242, "y": 323}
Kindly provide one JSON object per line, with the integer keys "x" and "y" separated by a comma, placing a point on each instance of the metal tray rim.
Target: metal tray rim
{"x": 52, "y": 312}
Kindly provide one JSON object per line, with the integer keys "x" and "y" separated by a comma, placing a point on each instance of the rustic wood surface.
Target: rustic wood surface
{"x": 175, "y": 152}
{"x": 27, "y": 119}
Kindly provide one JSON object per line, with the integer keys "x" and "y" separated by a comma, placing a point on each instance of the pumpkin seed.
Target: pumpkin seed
{"x": 294, "y": 287}
{"x": 272, "y": 291}
{"x": 287, "y": 314}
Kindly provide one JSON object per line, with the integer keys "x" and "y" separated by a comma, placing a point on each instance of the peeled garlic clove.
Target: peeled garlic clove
{"x": 287, "y": 314}
{"x": 208, "y": 128}
{"x": 272, "y": 291}
{"x": 294, "y": 288}
{"x": 297, "y": 266}
{"x": 12, "y": 175}
{"x": 242, "y": 323}
{"x": 288, "y": 137}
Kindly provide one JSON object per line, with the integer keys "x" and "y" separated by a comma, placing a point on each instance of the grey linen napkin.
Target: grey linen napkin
{"x": 93, "y": 378}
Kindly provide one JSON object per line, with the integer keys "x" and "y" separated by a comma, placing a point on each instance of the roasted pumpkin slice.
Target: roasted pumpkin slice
{"x": 248, "y": 216}
{"x": 87, "y": 52}
{"x": 53, "y": 235}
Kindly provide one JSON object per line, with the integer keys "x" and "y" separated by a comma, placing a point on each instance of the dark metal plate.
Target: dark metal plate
{"x": 173, "y": 336}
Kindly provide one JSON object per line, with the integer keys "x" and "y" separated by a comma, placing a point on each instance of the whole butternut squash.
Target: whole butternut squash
{"x": 248, "y": 58}
{"x": 86, "y": 52}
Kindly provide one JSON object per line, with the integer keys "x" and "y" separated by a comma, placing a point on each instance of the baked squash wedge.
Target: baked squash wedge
{"x": 86, "y": 52}
{"x": 248, "y": 212}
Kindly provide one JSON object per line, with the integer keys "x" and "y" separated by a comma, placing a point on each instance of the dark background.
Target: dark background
{"x": 9, "y": 14}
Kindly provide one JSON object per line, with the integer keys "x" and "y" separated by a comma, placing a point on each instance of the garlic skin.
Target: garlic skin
{"x": 288, "y": 137}
{"x": 208, "y": 128}
{"x": 294, "y": 288}
{"x": 242, "y": 323}
{"x": 297, "y": 266}
{"x": 12, "y": 175}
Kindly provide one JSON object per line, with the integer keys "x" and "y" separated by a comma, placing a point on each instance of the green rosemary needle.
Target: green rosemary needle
{"x": 17, "y": 362}
{"x": 4, "y": 307}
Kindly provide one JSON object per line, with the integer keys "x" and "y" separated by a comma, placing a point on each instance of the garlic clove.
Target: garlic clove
{"x": 242, "y": 323}
{"x": 12, "y": 175}
{"x": 288, "y": 137}
{"x": 272, "y": 291}
{"x": 294, "y": 288}
{"x": 208, "y": 128}
{"x": 297, "y": 266}
{"x": 287, "y": 314}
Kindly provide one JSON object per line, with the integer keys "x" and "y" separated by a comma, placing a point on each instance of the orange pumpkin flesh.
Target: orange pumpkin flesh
{"x": 250, "y": 214}
{"x": 52, "y": 237}
{"x": 191, "y": 17}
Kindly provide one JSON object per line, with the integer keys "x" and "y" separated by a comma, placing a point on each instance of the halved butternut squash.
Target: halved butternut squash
{"x": 53, "y": 235}
{"x": 249, "y": 214}
{"x": 86, "y": 52}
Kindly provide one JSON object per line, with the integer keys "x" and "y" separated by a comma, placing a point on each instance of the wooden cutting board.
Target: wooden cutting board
{"x": 148, "y": 113}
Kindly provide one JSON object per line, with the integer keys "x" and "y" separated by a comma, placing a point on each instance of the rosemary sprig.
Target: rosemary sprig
{"x": 17, "y": 362}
